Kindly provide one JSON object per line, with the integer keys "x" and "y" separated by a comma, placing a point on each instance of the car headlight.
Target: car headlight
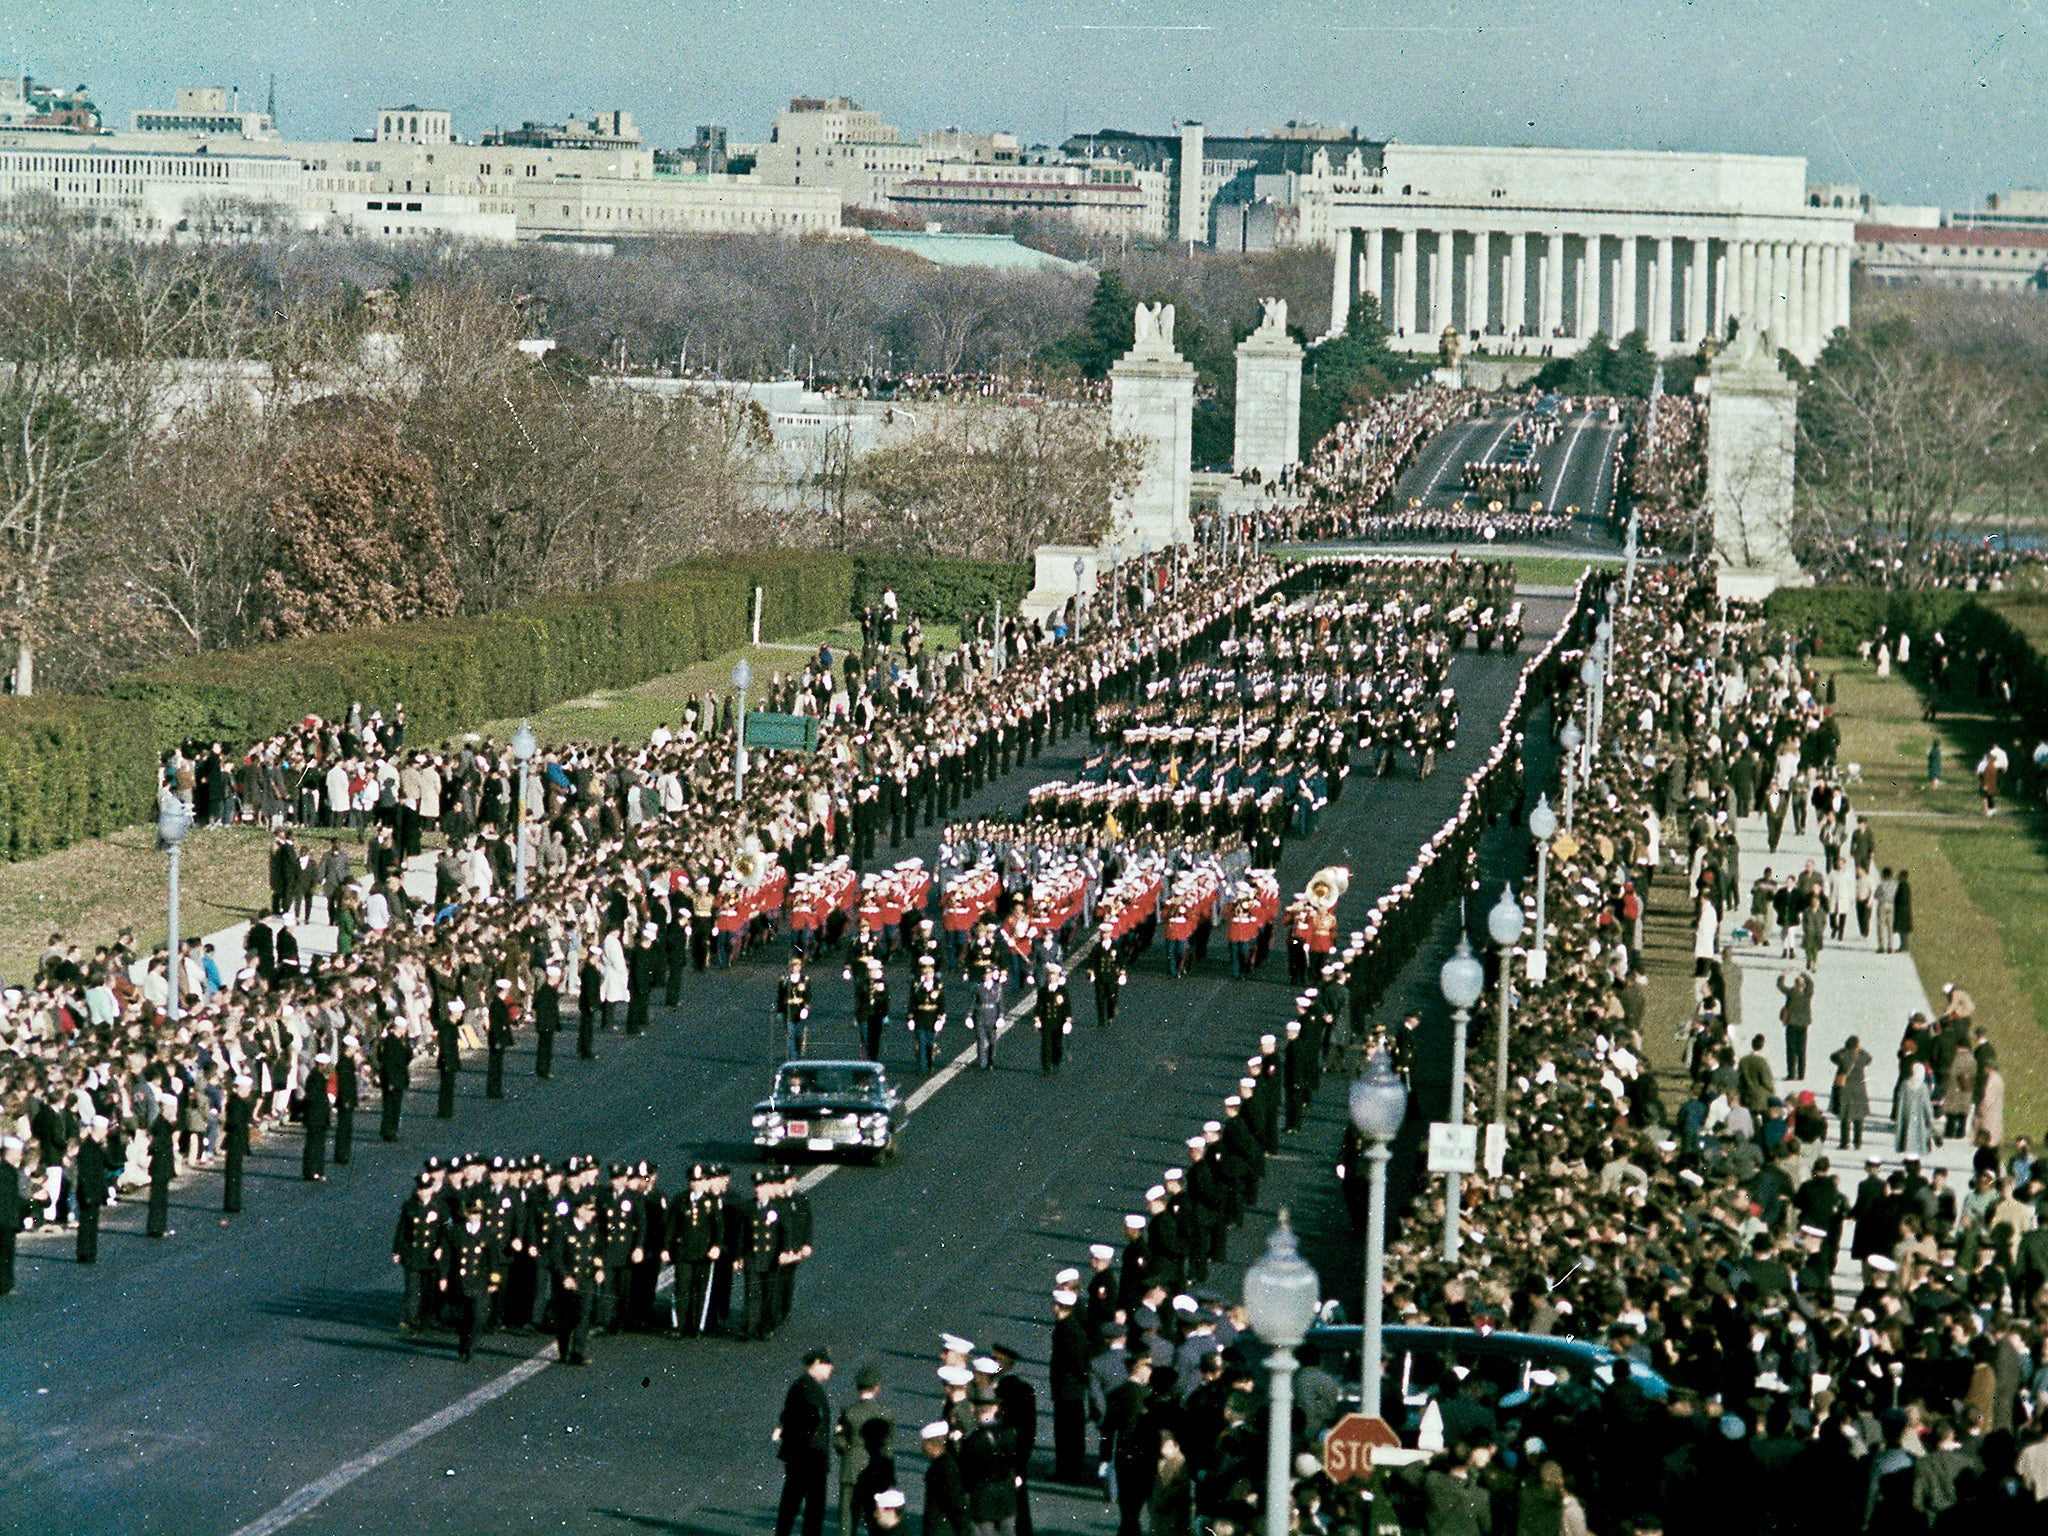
{"x": 759, "y": 1121}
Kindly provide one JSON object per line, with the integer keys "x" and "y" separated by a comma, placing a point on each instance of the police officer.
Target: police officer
{"x": 1106, "y": 975}
{"x": 988, "y": 1016}
{"x": 417, "y": 1247}
{"x": 473, "y": 1274}
{"x": 695, "y": 1237}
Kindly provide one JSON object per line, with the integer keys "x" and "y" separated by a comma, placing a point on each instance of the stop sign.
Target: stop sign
{"x": 1348, "y": 1447}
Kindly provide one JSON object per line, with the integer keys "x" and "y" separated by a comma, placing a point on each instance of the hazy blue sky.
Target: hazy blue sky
{"x": 1916, "y": 101}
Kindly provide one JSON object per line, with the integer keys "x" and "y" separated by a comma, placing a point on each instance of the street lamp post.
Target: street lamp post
{"x": 1379, "y": 1103}
{"x": 1542, "y": 827}
{"x": 742, "y": 675}
{"x": 1569, "y": 738}
{"x": 1281, "y": 1293}
{"x": 172, "y": 823}
{"x": 1589, "y": 674}
{"x": 522, "y": 748}
{"x": 1628, "y": 569}
{"x": 1462, "y": 980}
{"x": 1080, "y": 570}
{"x": 1504, "y": 923}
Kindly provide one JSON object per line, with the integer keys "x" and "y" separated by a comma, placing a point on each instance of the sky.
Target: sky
{"x": 1914, "y": 101}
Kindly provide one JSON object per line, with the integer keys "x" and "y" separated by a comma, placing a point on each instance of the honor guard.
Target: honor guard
{"x": 793, "y": 1006}
{"x": 1055, "y": 1019}
{"x": 927, "y": 1010}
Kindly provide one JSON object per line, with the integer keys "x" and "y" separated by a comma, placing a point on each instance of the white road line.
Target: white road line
{"x": 1570, "y": 448}
{"x": 317, "y": 1493}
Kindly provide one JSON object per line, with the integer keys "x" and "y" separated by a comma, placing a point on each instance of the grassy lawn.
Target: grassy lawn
{"x": 93, "y": 890}
{"x": 1549, "y": 571}
{"x": 1980, "y": 884}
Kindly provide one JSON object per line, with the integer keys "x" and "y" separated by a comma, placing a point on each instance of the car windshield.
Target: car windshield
{"x": 829, "y": 1080}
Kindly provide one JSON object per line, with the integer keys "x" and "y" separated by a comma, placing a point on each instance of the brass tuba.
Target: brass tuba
{"x": 749, "y": 865}
{"x": 1327, "y": 886}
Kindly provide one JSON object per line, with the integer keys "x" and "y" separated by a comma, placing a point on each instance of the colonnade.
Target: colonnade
{"x": 1530, "y": 290}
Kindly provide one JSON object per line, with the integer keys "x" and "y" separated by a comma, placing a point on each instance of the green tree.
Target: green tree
{"x": 1631, "y": 367}
{"x": 1348, "y": 369}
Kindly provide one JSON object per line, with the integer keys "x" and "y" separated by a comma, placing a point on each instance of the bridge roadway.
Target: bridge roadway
{"x": 247, "y": 1376}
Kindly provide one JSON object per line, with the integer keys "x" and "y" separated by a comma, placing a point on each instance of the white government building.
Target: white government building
{"x": 1532, "y": 251}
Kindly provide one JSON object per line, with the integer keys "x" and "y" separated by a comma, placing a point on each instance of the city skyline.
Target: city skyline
{"x": 1911, "y": 103}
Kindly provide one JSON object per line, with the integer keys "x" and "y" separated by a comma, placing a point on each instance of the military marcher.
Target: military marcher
{"x": 1106, "y": 975}
{"x": 927, "y": 1011}
{"x": 1017, "y": 1411}
{"x": 696, "y": 1229}
{"x": 793, "y": 1007}
{"x": 90, "y": 1177}
{"x": 988, "y": 1466}
{"x": 760, "y": 1261}
{"x": 870, "y": 1003}
{"x": 317, "y": 1111}
{"x": 1069, "y": 1382}
{"x": 237, "y": 1116}
{"x": 988, "y": 1017}
{"x": 849, "y": 1439}
{"x": 576, "y": 1268}
{"x": 473, "y": 1274}
{"x": 624, "y": 1227}
{"x": 417, "y": 1247}
{"x": 797, "y": 1220}
{"x": 644, "y": 1312}
{"x": 394, "y": 1074}
{"x": 945, "y": 1491}
{"x": 803, "y": 1440}
{"x": 1054, "y": 1017}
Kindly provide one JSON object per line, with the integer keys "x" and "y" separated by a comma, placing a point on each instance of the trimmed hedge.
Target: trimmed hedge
{"x": 2004, "y": 629}
{"x": 75, "y": 767}
{"x": 451, "y": 673}
{"x": 71, "y": 768}
{"x": 939, "y": 591}
{"x": 1842, "y": 618}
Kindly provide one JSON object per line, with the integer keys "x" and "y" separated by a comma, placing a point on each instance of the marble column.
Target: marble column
{"x": 1816, "y": 299}
{"x": 1404, "y": 284}
{"x": 1589, "y": 290}
{"x": 1517, "y": 291}
{"x": 1440, "y": 284}
{"x": 1840, "y": 318}
{"x": 1660, "y": 296}
{"x": 1553, "y": 288}
{"x": 1375, "y": 269}
{"x": 1720, "y": 310}
{"x": 1697, "y": 269}
{"x": 1340, "y": 282}
{"x": 1742, "y": 302}
{"x": 1479, "y": 300}
{"x": 1781, "y": 294}
{"x": 1626, "y": 318}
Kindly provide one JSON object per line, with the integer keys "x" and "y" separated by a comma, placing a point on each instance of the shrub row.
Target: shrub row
{"x": 69, "y": 769}
{"x": 939, "y": 590}
{"x": 1990, "y": 628}
{"x": 1842, "y": 618}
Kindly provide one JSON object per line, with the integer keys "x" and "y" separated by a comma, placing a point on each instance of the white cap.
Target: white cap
{"x": 1186, "y": 1303}
{"x": 955, "y": 1345}
{"x": 1101, "y": 1251}
{"x": 938, "y": 1429}
{"x": 1883, "y": 1265}
{"x": 1134, "y": 1223}
{"x": 1067, "y": 1298}
{"x": 1067, "y": 1276}
{"x": 984, "y": 1366}
{"x": 956, "y": 1375}
{"x": 889, "y": 1498}
{"x": 1268, "y": 1043}
{"x": 1156, "y": 1192}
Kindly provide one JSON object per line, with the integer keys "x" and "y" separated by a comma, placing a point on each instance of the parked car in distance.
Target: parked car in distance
{"x": 829, "y": 1107}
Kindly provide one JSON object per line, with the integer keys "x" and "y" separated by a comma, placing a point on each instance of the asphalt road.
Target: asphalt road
{"x": 1578, "y": 470}
{"x": 197, "y": 1385}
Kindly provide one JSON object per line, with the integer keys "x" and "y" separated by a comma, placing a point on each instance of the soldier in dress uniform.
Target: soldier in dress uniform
{"x": 870, "y": 1003}
{"x": 1101, "y": 1288}
{"x": 696, "y": 1230}
{"x": 761, "y": 1260}
{"x": 1134, "y": 1268}
{"x": 89, "y": 1178}
{"x": 576, "y": 1266}
{"x": 645, "y": 1314}
{"x": 1165, "y": 1238}
{"x": 1055, "y": 1019}
{"x": 1069, "y": 1372}
{"x": 448, "y": 1054}
{"x": 1017, "y": 1411}
{"x": 1106, "y": 976}
{"x": 473, "y": 1274}
{"x": 988, "y": 1016}
{"x": 623, "y": 1229}
{"x": 417, "y": 1247}
{"x": 797, "y": 1219}
{"x": 793, "y": 1006}
{"x": 521, "y": 1258}
{"x": 927, "y": 1010}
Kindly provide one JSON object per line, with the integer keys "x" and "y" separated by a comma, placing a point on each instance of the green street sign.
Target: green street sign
{"x": 782, "y": 733}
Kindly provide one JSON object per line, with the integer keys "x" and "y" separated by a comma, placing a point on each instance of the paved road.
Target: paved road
{"x": 196, "y": 1385}
{"x": 1578, "y": 471}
